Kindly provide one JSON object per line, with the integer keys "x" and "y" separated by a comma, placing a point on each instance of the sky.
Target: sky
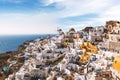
{"x": 44, "y": 16}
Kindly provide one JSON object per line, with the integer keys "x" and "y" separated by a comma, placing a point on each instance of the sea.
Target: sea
{"x": 12, "y": 42}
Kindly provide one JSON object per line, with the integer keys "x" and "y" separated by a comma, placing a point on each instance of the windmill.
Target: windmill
{"x": 60, "y": 32}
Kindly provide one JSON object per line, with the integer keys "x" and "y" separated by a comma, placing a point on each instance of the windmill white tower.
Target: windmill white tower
{"x": 59, "y": 31}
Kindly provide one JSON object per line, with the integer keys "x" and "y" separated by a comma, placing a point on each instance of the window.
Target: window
{"x": 118, "y": 31}
{"x": 115, "y": 62}
{"x": 111, "y": 37}
{"x": 100, "y": 30}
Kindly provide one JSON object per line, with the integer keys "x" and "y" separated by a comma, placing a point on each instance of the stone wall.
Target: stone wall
{"x": 114, "y": 45}
{"x": 114, "y": 37}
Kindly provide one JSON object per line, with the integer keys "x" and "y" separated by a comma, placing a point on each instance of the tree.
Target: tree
{"x": 72, "y": 29}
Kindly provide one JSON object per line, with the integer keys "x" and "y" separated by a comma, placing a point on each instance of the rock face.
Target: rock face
{"x": 112, "y": 23}
{"x": 57, "y": 58}
{"x": 6, "y": 58}
{"x": 113, "y": 26}
{"x": 44, "y": 60}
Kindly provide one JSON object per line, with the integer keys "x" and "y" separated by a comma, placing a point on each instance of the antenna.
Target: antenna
{"x": 57, "y": 30}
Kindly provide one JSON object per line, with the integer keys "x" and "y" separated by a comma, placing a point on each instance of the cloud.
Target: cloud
{"x": 61, "y": 13}
{"x": 74, "y": 8}
{"x": 112, "y": 13}
{"x": 79, "y": 7}
{"x": 49, "y": 2}
{"x": 104, "y": 9}
{"x": 39, "y": 23}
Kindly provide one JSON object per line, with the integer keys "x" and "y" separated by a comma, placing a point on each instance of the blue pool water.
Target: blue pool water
{"x": 12, "y": 42}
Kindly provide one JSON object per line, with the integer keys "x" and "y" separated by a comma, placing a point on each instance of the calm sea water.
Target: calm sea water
{"x": 12, "y": 42}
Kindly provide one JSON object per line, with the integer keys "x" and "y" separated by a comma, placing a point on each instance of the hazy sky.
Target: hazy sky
{"x": 44, "y": 16}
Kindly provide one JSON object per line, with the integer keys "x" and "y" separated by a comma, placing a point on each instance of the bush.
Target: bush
{"x": 72, "y": 29}
{"x": 64, "y": 44}
{"x": 70, "y": 40}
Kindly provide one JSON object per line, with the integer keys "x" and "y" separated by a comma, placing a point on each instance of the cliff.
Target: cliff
{"x": 8, "y": 57}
